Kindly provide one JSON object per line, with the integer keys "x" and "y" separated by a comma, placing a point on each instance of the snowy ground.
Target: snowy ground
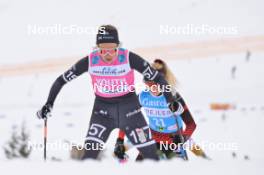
{"x": 202, "y": 81}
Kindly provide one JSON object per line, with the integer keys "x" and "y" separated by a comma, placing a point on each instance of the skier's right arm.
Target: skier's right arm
{"x": 76, "y": 70}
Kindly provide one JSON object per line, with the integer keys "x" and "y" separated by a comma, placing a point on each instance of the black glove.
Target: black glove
{"x": 120, "y": 149}
{"x": 176, "y": 108}
{"x": 45, "y": 112}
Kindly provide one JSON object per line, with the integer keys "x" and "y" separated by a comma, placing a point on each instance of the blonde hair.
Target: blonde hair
{"x": 163, "y": 68}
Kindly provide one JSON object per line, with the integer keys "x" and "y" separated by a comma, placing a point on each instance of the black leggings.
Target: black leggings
{"x": 168, "y": 153}
{"x": 123, "y": 113}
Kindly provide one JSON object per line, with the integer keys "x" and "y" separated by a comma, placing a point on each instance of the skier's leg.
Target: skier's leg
{"x": 136, "y": 128}
{"x": 163, "y": 144}
{"x": 180, "y": 151}
{"x": 139, "y": 157}
{"x": 141, "y": 139}
{"x": 100, "y": 127}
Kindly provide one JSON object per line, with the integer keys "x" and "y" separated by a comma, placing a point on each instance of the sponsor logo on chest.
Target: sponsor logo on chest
{"x": 115, "y": 70}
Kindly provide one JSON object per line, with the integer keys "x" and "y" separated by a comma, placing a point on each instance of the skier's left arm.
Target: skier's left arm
{"x": 187, "y": 118}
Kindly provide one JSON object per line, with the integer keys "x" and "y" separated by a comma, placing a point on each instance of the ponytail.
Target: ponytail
{"x": 162, "y": 67}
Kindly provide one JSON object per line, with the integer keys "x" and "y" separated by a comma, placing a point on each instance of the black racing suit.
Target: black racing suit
{"x": 119, "y": 112}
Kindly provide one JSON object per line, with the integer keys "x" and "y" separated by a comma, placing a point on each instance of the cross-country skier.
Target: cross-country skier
{"x": 116, "y": 104}
{"x": 162, "y": 121}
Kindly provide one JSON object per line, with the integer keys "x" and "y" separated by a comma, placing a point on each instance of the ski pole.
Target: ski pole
{"x": 45, "y": 139}
{"x": 183, "y": 151}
